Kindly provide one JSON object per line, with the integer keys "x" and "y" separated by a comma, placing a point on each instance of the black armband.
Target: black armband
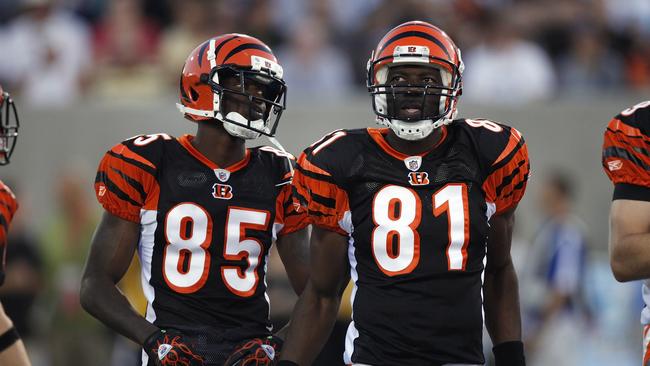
{"x": 625, "y": 191}
{"x": 509, "y": 354}
{"x": 8, "y": 338}
{"x": 286, "y": 363}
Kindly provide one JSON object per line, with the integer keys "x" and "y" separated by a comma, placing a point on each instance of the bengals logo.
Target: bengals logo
{"x": 222, "y": 191}
{"x": 418, "y": 178}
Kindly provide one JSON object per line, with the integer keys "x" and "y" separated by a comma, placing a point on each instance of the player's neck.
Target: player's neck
{"x": 415, "y": 147}
{"x": 219, "y": 146}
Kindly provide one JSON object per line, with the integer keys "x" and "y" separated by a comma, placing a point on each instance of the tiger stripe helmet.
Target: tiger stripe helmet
{"x": 239, "y": 55}
{"x": 9, "y": 124}
{"x": 415, "y": 43}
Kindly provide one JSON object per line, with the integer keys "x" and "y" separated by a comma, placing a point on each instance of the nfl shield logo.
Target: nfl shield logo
{"x": 413, "y": 163}
{"x": 222, "y": 174}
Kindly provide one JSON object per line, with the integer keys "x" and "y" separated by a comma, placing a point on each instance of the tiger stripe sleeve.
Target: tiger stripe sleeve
{"x": 320, "y": 196}
{"x": 8, "y": 207}
{"x": 126, "y": 183}
{"x": 288, "y": 212}
{"x": 626, "y": 160}
{"x": 508, "y": 174}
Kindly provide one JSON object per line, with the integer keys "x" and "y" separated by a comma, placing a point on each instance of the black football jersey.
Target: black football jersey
{"x": 206, "y": 231}
{"x": 625, "y": 156}
{"x": 418, "y": 230}
{"x": 8, "y": 207}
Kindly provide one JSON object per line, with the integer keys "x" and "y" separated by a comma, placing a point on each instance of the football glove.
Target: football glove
{"x": 255, "y": 352}
{"x": 168, "y": 348}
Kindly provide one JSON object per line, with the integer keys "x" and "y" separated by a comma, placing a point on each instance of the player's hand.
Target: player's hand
{"x": 168, "y": 348}
{"x": 255, "y": 352}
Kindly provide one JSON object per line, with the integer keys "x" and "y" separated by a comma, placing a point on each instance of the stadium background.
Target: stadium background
{"x": 87, "y": 74}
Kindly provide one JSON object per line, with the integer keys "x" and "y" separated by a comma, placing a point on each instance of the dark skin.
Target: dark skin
{"x": 315, "y": 312}
{"x": 409, "y": 106}
{"x": 115, "y": 240}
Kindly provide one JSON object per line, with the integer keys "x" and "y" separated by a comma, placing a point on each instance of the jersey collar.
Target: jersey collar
{"x": 379, "y": 136}
{"x": 186, "y": 142}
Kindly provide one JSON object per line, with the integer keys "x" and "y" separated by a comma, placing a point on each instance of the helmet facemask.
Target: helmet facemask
{"x": 252, "y": 115}
{"x": 387, "y": 95}
{"x": 9, "y": 124}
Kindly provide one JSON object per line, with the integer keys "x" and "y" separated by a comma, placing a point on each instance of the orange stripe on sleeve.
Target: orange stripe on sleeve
{"x": 513, "y": 141}
{"x": 325, "y": 202}
{"x": 506, "y": 186}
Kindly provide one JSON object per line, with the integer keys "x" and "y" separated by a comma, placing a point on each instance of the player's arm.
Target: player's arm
{"x": 629, "y": 239}
{"x": 315, "y": 312}
{"x": 111, "y": 252}
{"x": 12, "y": 348}
{"x": 501, "y": 293}
{"x": 294, "y": 252}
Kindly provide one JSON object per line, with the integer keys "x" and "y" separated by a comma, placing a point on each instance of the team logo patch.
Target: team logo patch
{"x": 269, "y": 350}
{"x": 418, "y": 178}
{"x": 102, "y": 191}
{"x": 222, "y": 191}
{"x": 163, "y": 350}
{"x": 222, "y": 174}
{"x": 413, "y": 163}
{"x": 614, "y": 165}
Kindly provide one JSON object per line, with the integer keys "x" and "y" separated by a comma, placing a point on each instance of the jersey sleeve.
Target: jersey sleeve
{"x": 126, "y": 178}
{"x": 625, "y": 157}
{"x": 8, "y": 207}
{"x": 505, "y": 158}
{"x": 317, "y": 189}
{"x": 287, "y": 209}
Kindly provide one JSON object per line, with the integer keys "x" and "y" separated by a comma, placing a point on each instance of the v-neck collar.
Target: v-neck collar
{"x": 186, "y": 142}
{"x": 379, "y": 136}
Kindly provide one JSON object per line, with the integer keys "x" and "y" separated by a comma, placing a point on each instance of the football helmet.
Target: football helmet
{"x": 415, "y": 43}
{"x": 9, "y": 124}
{"x": 246, "y": 59}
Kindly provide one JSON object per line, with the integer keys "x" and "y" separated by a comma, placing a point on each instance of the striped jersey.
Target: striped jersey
{"x": 626, "y": 162}
{"x": 417, "y": 228}
{"x": 205, "y": 231}
{"x": 8, "y": 207}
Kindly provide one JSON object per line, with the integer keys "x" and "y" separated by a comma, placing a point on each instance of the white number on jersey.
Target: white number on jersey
{"x": 396, "y": 212}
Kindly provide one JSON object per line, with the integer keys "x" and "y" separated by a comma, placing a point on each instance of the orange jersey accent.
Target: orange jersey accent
{"x": 625, "y": 155}
{"x": 8, "y": 207}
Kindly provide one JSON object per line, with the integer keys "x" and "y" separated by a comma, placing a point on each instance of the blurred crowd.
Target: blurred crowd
{"x": 123, "y": 50}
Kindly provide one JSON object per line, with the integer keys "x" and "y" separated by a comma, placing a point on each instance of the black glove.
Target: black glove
{"x": 168, "y": 348}
{"x": 255, "y": 352}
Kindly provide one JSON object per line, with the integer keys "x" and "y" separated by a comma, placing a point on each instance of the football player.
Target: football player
{"x": 202, "y": 212}
{"x": 627, "y": 164}
{"x": 410, "y": 213}
{"x": 12, "y": 349}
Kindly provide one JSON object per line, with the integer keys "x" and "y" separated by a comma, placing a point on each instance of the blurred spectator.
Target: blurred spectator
{"x": 194, "y": 21}
{"x": 45, "y": 55}
{"x": 505, "y": 69}
{"x": 638, "y": 62}
{"x": 77, "y": 339}
{"x": 552, "y": 295}
{"x": 126, "y": 51}
{"x": 313, "y": 67}
{"x": 589, "y": 67}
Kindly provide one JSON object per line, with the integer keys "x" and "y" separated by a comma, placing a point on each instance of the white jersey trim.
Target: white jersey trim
{"x": 352, "y": 334}
{"x": 148, "y": 226}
